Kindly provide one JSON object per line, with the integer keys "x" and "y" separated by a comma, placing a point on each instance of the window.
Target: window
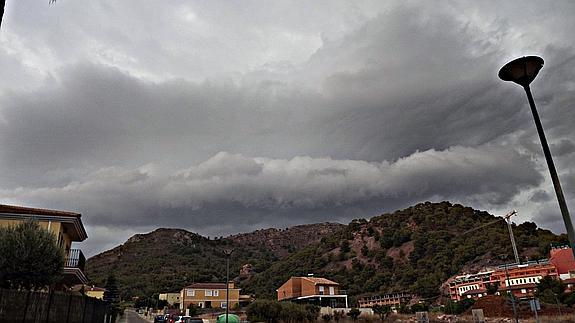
{"x": 321, "y": 290}
{"x": 224, "y": 305}
{"x": 216, "y": 293}
{"x": 190, "y": 292}
{"x": 331, "y": 290}
{"x": 208, "y": 292}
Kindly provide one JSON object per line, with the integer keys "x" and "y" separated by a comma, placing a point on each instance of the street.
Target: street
{"x": 130, "y": 316}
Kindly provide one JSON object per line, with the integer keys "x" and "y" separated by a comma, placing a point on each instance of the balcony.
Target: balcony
{"x": 75, "y": 259}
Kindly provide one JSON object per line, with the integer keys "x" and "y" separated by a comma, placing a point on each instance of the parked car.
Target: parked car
{"x": 182, "y": 319}
{"x": 159, "y": 319}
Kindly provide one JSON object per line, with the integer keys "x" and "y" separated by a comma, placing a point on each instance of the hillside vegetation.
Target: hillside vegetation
{"x": 413, "y": 250}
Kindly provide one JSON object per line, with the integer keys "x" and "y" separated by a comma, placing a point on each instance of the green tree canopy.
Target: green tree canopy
{"x": 29, "y": 257}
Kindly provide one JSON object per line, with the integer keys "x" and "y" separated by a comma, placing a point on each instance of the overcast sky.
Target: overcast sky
{"x": 228, "y": 116}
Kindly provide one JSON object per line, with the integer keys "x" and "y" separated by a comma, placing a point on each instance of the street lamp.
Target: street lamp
{"x": 228, "y": 254}
{"x": 523, "y": 71}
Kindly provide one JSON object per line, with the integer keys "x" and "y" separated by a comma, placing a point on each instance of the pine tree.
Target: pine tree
{"x": 111, "y": 297}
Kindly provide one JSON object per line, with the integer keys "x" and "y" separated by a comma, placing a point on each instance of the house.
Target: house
{"x": 209, "y": 295}
{"x": 89, "y": 290}
{"x": 67, "y": 227}
{"x": 314, "y": 290}
{"x": 171, "y": 298}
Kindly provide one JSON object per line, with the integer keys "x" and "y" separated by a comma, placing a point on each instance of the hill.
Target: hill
{"x": 415, "y": 250}
{"x": 167, "y": 259}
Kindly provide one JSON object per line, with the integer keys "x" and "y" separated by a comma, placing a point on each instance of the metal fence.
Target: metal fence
{"x": 47, "y": 307}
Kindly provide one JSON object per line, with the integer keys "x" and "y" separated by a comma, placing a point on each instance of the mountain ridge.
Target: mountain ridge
{"x": 414, "y": 249}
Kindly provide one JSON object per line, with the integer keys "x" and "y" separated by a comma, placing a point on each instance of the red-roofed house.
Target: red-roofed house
{"x": 67, "y": 227}
{"x": 315, "y": 290}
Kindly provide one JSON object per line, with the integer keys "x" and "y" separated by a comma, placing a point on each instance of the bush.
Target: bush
{"x": 264, "y": 311}
{"x": 354, "y": 313}
{"x": 273, "y": 312}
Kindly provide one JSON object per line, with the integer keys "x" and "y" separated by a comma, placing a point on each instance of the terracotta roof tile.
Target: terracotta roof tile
{"x": 319, "y": 280}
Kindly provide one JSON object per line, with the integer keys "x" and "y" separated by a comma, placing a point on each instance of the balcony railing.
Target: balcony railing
{"x": 75, "y": 259}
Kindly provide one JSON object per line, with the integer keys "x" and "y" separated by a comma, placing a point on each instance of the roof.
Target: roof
{"x": 320, "y": 281}
{"x": 208, "y": 286}
{"x": 69, "y": 219}
{"x": 13, "y": 209}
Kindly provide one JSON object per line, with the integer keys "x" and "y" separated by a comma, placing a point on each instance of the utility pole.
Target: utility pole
{"x": 511, "y": 237}
{"x": 507, "y": 284}
{"x": 507, "y": 218}
{"x": 228, "y": 253}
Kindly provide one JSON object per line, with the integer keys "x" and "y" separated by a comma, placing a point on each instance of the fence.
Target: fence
{"x": 43, "y": 307}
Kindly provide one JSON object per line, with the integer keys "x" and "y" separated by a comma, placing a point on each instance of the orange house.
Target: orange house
{"x": 66, "y": 227}
{"x": 315, "y": 290}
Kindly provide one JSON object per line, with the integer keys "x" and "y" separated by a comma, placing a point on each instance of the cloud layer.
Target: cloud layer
{"x": 193, "y": 114}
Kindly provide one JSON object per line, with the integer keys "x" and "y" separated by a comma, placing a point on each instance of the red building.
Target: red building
{"x": 523, "y": 278}
{"x": 470, "y": 285}
{"x": 562, "y": 258}
{"x": 520, "y": 279}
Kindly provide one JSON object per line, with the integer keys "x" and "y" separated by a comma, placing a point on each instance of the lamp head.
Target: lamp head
{"x": 522, "y": 70}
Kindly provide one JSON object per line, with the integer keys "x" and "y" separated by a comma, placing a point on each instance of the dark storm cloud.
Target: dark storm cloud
{"x": 262, "y": 190}
{"x": 278, "y": 117}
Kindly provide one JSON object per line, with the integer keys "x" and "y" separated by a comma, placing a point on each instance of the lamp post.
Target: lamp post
{"x": 523, "y": 71}
{"x": 228, "y": 254}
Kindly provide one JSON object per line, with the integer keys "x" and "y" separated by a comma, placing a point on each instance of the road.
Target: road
{"x": 130, "y": 316}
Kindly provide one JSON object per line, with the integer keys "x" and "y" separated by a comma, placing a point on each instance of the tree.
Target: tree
{"x": 491, "y": 288}
{"x": 29, "y": 257}
{"x": 381, "y": 310}
{"x": 193, "y": 310}
{"x": 550, "y": 290}
{"x": 354, "y": 313}
{"x": 111, "y": 297}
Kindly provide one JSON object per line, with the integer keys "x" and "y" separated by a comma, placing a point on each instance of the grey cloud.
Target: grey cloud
{"x": 564, "y": 147}
{"x": 261, "y": 190}
{"x": 540, "y": 196}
